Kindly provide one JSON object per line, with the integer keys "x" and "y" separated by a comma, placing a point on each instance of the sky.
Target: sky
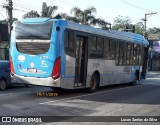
{"x": 106, "y": 9}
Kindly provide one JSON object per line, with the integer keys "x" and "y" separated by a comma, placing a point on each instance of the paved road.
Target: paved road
{"x": 117, "y": 100}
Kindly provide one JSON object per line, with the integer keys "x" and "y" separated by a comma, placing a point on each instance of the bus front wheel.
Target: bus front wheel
{"x": 3, "y": 84}
{"x": 94, "y": 83}
{"x": 55, "y": 88}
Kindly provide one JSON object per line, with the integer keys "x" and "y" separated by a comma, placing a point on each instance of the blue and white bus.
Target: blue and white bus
{"x": 64, "y": 54}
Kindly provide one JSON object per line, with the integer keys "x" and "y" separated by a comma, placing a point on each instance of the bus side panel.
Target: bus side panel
{"x": 115, "y": 74}
{"x": 109, "y": 72}
{"x": 67, "y": 80}
{"x": 120, "y": 75}
{"x": 67, "y": 63}
{"x": 95, "y": 65}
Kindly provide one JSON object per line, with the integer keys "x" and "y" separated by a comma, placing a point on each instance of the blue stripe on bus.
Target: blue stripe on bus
{"x": 68, "y": 77}
{"x": 90, "y": 75}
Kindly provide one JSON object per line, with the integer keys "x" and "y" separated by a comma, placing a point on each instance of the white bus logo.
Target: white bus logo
{"x": 21, "y": 58}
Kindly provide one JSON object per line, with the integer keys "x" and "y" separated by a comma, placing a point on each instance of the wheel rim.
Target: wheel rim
{"x": 2, "y": 85}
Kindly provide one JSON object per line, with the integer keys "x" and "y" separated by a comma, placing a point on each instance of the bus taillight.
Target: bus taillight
{"x": 11, "y": 66}
{"x": 56, "y": 69}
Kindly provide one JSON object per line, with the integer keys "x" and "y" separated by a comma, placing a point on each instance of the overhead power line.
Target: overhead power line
{"x": 1, "y": 6}
{"x": 67, "y": 2}
{"x": 20, "y": 10}
{"x": 25, "y": 4}
{"x": 135, "y": 6}
{"x": 2, "y": 15}
{"x": 21, "y": 6}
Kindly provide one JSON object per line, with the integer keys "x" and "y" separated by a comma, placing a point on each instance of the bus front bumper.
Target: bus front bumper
{"x": 35, "y": 81}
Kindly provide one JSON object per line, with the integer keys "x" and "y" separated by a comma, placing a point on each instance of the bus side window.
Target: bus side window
{"x": 69, "y": 43}
{"x": 121, "y": 49}
{"x": 112, "y": 47}
{"x": 93, "y": 44}
{"x": 131, "y": 56}
{"x": 135, "y": 54}
{"x": 100, "y": 46}
{"x": 140, "y": 55}
{"x": 106, "y": 48}
{"x": 128, "y": 52}
{"x": 117, "y": 52}
{"x": 125, "y": 54}
{"x": 137, "y": 61}
{"x": 96, "y": 47}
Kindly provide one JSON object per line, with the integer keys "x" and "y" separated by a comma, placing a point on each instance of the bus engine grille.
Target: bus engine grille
{"x": 32, "y": 48}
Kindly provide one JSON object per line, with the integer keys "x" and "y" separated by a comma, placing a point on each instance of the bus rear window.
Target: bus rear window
{"x": 33, "y": 31}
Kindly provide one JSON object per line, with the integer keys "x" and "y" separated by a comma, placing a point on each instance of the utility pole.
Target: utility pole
{"x": 145, "y": 23}
{"x": 9, "y": 8}
{"x": 110, "y": 26}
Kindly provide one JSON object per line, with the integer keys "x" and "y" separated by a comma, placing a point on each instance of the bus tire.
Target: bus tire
{"x": 55, "y": 88}
{"x": 94, "y": 83}
{"x": 135, "y": 81}
{"x": 3, "y": 84}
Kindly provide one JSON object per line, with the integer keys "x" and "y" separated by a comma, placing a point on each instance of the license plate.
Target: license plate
{"x": 34, "y": 70}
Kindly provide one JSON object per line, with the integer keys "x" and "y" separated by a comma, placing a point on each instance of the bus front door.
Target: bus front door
{"x": 81, "y": 61}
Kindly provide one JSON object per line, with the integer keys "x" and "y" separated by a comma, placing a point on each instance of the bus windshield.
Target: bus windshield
{"x": 33, "y": 31}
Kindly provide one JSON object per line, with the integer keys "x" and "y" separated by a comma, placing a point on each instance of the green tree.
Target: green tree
{"x": 6, "y": 22}
{"x": 153, "y": 30}
{"x": 102, "y": 23}
{"x": 125, "y": 22}
{"x": 48, "y": 11}
{"x": 85, "y": 17}
{"x": 31, "y": 14}
{"x": 3, "y": 21}
{"x": 139, "y": 28}
{"x": 120, "y": 22}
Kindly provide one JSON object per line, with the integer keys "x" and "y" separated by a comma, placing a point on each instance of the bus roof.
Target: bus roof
{"x": 35, "y": 20}
{"x": 120, "y": 35}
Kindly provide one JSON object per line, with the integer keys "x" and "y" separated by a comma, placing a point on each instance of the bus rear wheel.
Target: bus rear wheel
{"x": 135, "y": 81}
{"x": 94, "y": 83}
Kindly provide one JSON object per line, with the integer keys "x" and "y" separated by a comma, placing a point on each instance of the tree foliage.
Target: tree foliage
{"x": 153, "y": 30}
{"x": 31, "y": 14}
{"x": 6, "y": 21}
{"x": 86, "y": 17}
{"x": 139, "y": 28}
{"x": 121, "y": 22}
{"x": 47, "y": 11}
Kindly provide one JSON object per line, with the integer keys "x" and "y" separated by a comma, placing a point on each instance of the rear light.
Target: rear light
{"x": 11, "y": 66}
{"x": 56, "y": 68}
